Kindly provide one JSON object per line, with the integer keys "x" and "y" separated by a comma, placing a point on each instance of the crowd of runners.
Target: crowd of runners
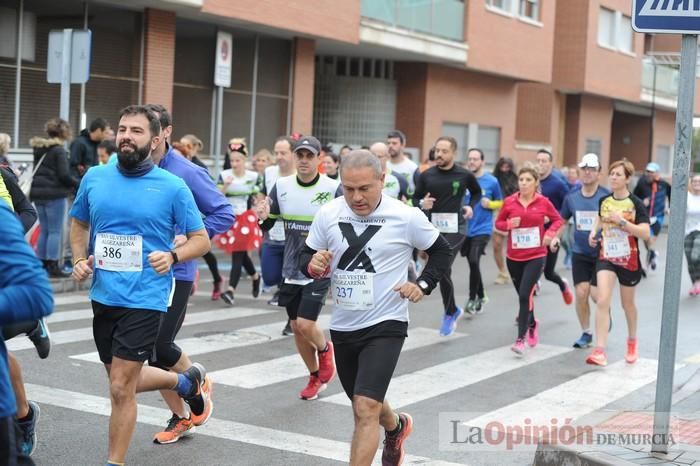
{"x": 367, "y": 229}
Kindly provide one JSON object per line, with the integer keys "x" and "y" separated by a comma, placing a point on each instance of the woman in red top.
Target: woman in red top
{"x": 523, "y": 217}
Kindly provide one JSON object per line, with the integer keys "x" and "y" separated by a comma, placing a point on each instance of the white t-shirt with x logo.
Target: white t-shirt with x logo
{"x": 370, "y": 257}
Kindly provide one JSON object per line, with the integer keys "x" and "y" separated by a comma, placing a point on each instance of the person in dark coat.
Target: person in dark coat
{"x": 83, "y": 150}
{"x": 51, "y": 186}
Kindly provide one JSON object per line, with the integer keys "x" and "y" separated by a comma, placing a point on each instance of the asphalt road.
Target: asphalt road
{"x": 259, "y": 419}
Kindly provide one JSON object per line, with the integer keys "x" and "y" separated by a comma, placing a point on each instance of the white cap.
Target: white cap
{"x": 589, "y": 160}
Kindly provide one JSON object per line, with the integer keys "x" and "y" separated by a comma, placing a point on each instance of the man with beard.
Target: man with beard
{"x": 440, "y": 193}
{"x": 218, "y": 218}
{"x": 124, "y": 222}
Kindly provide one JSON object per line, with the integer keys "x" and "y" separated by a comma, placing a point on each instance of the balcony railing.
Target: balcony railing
{"x": 666, "y": 79}
{"x": 441, "y": 18}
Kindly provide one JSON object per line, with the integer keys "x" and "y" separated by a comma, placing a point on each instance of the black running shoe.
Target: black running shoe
{"x": 227, "y": 297}
{"x": 275, "y": 300}
{"x": 288, "y": 329}
{"x": 41, "y": 338}
{"x": 256, "y": 287}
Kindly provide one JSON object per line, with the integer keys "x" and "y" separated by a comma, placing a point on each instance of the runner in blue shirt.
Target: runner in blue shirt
{"x": 479, "y": 229}
{"x": 125, "y": 218}
{"x": 554, "y": 187}
{"x": 582, "y": 205}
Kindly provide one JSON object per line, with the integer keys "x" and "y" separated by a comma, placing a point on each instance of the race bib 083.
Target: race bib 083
{"x": 585, "y": 220}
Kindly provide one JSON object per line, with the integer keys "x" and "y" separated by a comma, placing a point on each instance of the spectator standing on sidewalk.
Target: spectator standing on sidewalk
{"x": 51, "y": 186}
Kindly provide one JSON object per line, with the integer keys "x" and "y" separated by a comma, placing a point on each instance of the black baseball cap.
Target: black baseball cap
{"x": 309, "y": 143}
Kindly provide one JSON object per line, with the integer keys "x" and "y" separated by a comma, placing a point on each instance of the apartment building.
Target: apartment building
{"x": 509, "y": 76}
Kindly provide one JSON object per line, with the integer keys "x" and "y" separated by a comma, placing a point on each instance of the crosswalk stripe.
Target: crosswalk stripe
{"x": 69, "y": 316}
{"x": 222, "y": 341}
{"x": 70, "y": 299}
{"x": 218, "y": 428}
{"x": 85, "y": 333}
{"x": 577, "y": 397}
{"x": 278, "y": 370}
{"x": 446, "y": 377}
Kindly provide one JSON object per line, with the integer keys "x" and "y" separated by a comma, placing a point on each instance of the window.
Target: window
{"x": 486, "y": 138}
{"x": 606, "y": 28}
{"x": 461, "y": 134}
{"x": 489, "y": 141}
{"x": 530, "y": 9}
{"x": 594, "y": 146}
{"x": 523, "y": 9}
{"x": 500, "y": 4}
{"x": 664, "y": 159}
{"x": 625, "y": 39}
{"x": 615, "y": 30}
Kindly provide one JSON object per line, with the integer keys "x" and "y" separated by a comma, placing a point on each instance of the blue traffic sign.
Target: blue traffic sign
{"x": 666, "y": 16}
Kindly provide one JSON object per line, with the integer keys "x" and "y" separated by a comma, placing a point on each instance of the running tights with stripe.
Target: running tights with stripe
{"x": 525, "y": 275}
{"x": 240, "y": 259}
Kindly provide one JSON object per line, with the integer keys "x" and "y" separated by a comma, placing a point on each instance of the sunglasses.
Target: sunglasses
{"x": 305, "y": 155}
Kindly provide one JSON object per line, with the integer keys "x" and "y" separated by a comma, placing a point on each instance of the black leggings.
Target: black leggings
{"x": 549, "y": 266}
{"x": 12, "y": 330}
{"x": 213, "y": 265}
{"x": 167, "y": 353}
{"x": 525, "y": 275}
{"x": 447, "y": 288}
{"x": 240, "y": 259}
{"x": 473, "y": 248}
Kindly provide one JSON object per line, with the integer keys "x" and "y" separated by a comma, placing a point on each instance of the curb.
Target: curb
{"x": 556, "y": 455}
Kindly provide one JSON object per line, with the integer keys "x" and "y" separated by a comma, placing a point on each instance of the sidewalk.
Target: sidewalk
{"x": 624, "y": 437}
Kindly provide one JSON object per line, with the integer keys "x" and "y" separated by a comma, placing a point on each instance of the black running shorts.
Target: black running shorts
{"x": 125, "y": 333}
{"x": 305, "y": 301}
{"x": 365, "y": 359}
{"x": 583, "y": 269}
{"x": 624, "y": 276}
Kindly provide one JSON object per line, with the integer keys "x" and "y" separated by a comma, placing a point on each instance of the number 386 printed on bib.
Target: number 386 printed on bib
{"x": 119, "y": 253}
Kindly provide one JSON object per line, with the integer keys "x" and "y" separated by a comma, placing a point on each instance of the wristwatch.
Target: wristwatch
{"x": 423, "y": 285}
{"x": 175, "y": 259}
{"x": 622, "y": 223}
